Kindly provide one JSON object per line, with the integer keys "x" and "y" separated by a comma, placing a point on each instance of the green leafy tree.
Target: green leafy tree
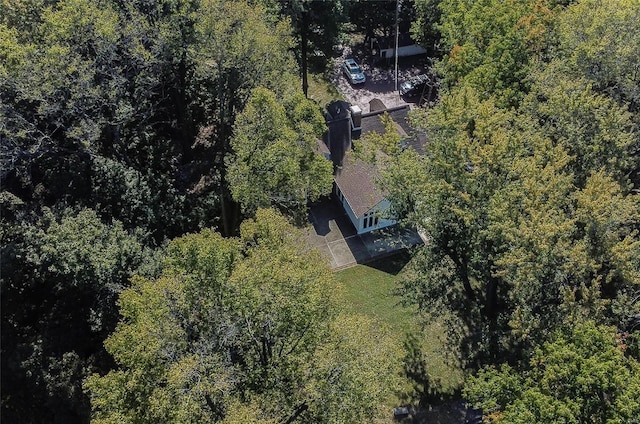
{"x": 240, "y": 47}
{"x": 600, "y": 42}
{"x": 424, "y": 27}
{"x": 48, "y": 91}
{"x": 357, "y": 371}
{"x": 280, "y": 304}
{"x": 114, "y": 104}
{"x": 609, "y": 244}
{"x": 275, "y": 159}
{"x": 600, "y": 57}
{"x": 528, "y": 152}
{"x": 98, "y": 83}
{"x": 379, "y": 19}
{"x": 60, "y": 280}
{"x": 317, "y": 26}
{"x": 561, "y": 266}
{"x": 511, "y": 251}
{"x": 472, "y": 150}
{"x": 240, "y": 329}
{"x": 581, "y": 376}
{"x": 373, "y": 19}
{"x": 162, "y": 377}
{"x": 376, "y": 147}
{"x": 24, "y": 13}
{"x": 492, "y": 45}
{"x": 597, "y": 132}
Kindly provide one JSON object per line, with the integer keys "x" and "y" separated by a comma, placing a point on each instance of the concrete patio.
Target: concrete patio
{"x": 335, "y": 237}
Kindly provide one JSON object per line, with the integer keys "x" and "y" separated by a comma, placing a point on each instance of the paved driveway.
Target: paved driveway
{"x": 380, "y": 82}
{"x": 332, "y": 233}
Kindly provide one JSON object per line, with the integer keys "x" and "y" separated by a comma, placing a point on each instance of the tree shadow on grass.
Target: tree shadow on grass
{"x": 428, "y": 400}
{"x": 391, "y": 264}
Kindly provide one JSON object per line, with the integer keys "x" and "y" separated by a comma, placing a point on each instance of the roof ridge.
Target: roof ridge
{"x": 390, "y": 109}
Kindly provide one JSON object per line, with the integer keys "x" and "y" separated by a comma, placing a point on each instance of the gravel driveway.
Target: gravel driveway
{"x": 380, "y": 82}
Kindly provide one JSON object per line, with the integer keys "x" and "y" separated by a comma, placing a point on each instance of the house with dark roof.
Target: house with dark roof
{"x": 355, "y": 181}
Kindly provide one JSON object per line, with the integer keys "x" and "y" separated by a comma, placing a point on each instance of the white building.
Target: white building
{"x": 386, "y": 48}
{"x": 355, "y": 181}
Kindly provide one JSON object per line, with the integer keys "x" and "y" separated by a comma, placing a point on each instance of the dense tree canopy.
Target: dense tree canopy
{"x": 241, "y": 326}
{"x": 126, "y": 111}
{"x": 275, "y": 161}
{"x": 601, "y": 43}
{"x": 590, "y": 126}
{"x": 125, "y": 125}
{"x": 128, "y": 108}
{"x": 492, "y": 44}
{"x": 424, "y": 27}
{"x": 71, "y": 268}
{"x": 380, "y": 21}
{"x": 514, "y": 232}
{"x": 583, "y": 376}
{"x": 528, "y": 195}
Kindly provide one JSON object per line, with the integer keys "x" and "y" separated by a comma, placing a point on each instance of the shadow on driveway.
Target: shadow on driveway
{"x": 332, "y": 233}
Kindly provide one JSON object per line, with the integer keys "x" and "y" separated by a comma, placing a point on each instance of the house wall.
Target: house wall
{"x": 374, "y": 216}
{"x": 373, "y": 219}
{"x": 346, "y": 206}
{"x": 411, "y": 50}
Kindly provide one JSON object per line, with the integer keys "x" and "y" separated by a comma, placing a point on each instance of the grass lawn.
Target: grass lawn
{"x": 369, "y": 290}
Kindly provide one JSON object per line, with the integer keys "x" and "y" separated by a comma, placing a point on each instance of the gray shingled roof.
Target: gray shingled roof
{"x": 356, "y": 180}
{"x": 400, "y": 115}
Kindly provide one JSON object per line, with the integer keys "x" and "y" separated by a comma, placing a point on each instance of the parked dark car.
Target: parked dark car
{"x": 415, "y": 86}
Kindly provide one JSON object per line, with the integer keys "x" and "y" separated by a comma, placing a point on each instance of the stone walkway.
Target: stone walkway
{"x": 335, "y": 237}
